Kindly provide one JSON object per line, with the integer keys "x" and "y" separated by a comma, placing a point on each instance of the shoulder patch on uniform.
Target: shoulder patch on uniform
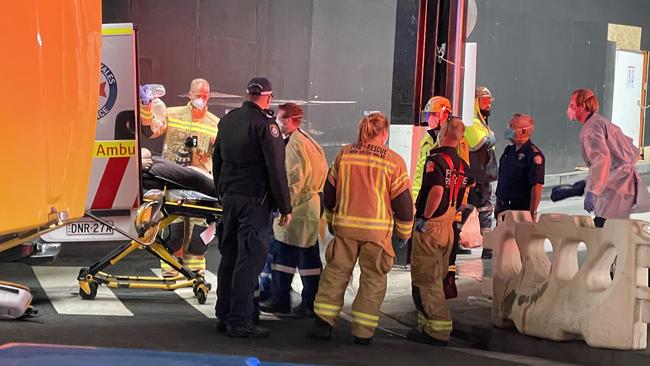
{"x": 430, "y": 166}
{"x": 538, "y": 159}
{"x": 275, "y": 131}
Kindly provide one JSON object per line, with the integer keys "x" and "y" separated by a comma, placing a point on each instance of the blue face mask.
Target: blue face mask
{"x": 509, "y": 133}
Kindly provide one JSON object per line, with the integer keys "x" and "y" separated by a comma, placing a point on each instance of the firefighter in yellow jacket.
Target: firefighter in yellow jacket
{"x": 443, "y": 186}
{"x": 190, "y": 133}
{"x": 296, "y": 244}
{"x": 367, "y": 191}
{"x": 482, "y": 160}
{"x": 436, "y": 113}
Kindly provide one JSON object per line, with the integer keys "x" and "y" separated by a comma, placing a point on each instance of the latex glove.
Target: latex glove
{"x": 146, "y": 94}
{"x": 285, "y": 219}
{"x": 490, "y": 140}
{"x": 590, "y": 202}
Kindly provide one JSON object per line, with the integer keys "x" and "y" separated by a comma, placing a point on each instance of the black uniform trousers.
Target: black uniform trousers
{"x": 244, "y": 246}
{"x": 522, "y": 204}
{"x": 480, "y": 196}
{"x": 285, "y": 259}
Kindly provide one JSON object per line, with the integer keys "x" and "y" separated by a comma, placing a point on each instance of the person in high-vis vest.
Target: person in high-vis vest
{"x": 296, "y": 244}
{"x": 367, "y": 192}
{"x": 436, "y": 113}
{"x": 190, "y": 133}
{"x": 482, "y": 160}
{"x": 443, "y": 186}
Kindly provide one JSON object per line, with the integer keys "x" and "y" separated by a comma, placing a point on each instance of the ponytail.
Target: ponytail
{"x": 371, "y": 126}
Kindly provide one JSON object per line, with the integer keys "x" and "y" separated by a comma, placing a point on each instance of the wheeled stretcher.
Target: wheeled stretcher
{"x": 159, "y": 210}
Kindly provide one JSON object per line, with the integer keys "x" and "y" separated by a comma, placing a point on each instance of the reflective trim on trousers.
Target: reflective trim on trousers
{"x": 436, "y": 325}
{"x": 367, "y": 320}
{"x": 326, "y": 310}
{"x": 310, "y": 272}
{"x": 283, "y": 268}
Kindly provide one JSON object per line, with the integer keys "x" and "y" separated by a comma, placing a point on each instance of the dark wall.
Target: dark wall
{"x": 533, "y": 54}
{"x": 311, "y": 50}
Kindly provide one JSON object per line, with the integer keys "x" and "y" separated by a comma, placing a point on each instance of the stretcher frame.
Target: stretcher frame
{"x": 151, "y": 218}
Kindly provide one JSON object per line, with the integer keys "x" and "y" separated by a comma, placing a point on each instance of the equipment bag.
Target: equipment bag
{"x": 15, "y": 301}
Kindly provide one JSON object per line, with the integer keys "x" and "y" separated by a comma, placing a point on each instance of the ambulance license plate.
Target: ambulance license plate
{"x": 88, "y": 228}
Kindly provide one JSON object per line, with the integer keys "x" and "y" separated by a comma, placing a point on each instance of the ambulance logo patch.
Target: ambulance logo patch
{"x": 429, "y": 167}
{"x": 537, "y": 159}
{"x": 275, "y": 132}
{"x": 107, "y": 91}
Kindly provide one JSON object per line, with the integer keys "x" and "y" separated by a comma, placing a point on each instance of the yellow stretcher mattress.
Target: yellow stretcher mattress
{"x": 49, "y": 94}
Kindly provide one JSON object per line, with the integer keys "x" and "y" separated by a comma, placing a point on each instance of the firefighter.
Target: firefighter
{"x": 436, "y": 113}
{"x": 296, "y": 245}
{"x": 190, "y": 133}
{"x": 366, "y": 193}
{"x": 250, "y": 176}
{"x": 482, "y": 160}
{"x": 521, "y": 169}
{"x": 443, "y": 186}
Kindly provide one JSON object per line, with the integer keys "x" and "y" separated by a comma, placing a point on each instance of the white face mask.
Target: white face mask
{"x": 198, "y": 103}
{"x": 571, "y": 114}
{"x": 281, "y": 124}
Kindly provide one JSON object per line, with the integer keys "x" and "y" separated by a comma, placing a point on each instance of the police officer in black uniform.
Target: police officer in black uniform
{"x": 521, "y": 169}
{"x": 250, "y": 177}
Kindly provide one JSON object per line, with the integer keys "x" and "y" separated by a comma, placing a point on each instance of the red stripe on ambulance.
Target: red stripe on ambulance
{"x": 110, "y": 183}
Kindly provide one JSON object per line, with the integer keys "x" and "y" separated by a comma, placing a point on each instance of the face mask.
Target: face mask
{"x": 509, "y": 133}
{"x": 571, "y": 114}
{"x": 198, "y": 103}
{"x": 281, "y": 124}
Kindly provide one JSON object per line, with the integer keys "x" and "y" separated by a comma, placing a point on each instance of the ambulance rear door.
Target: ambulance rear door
{"x": 114, "y": 186}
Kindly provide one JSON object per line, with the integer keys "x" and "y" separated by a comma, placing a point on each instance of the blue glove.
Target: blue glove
{"x": 590, "y": 202}
{"x": 490, "y": 140}
{"x": 146, "y": 94}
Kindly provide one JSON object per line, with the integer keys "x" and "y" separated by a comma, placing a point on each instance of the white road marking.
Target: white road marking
{"x": 56, "y": 282}
{"x": 187, "y": 294}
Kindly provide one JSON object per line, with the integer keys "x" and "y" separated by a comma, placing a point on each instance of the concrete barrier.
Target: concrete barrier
{"x": 558, "y": 299}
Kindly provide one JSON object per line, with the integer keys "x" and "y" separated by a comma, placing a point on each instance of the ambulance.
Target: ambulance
{"x": 114, "y": 186}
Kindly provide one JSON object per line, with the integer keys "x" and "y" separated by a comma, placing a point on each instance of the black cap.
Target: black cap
{"x": 259, "y": 86}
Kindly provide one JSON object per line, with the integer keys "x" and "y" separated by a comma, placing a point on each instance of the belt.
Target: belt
{"x": 512, "y": 202}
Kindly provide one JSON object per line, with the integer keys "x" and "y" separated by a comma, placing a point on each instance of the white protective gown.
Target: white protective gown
{"x": 613, "y": 178}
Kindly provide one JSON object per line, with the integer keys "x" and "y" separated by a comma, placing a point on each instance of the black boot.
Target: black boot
{"x": 250, "y": 331}
{"x": 421, "y": 337}
{"x": 362, "y": 341}
{"x": 320, "y": 330}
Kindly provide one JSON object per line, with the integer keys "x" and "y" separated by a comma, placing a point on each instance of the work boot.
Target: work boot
{"x": 421, "y": 337}
{"x": 250, "y": 331}
{"x": 268, "y": 307}
{"x": 486, "y": 254}
{"x": 449, "y": 285}
{"x": 303, "y": 311}
{"x": 362, "y": 341}
{"x": 221, "y": 326}
{"x": 320, "y": 330}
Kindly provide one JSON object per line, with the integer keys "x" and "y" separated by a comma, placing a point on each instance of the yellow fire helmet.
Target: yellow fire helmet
{"x": 435, "y": 104}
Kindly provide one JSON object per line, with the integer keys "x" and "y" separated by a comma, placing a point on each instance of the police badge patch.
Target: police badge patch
{"x": 537, "y": 159}
{"x": 275, "y": 132}
{"x": 429, "y": 166}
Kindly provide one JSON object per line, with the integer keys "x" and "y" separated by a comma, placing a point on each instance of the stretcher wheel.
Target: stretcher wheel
{"x": 201, "y": 297}
{"x": 93, "y": 291}
{"x": 201, "y": 293}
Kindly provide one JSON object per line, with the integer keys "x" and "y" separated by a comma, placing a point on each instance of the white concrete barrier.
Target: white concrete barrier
{"x": 561, "y": 300}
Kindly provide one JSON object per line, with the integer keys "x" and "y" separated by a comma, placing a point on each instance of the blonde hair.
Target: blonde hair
{"x": 454, "y": 129}
{"x": 586, "y": 98}
{"x": 371, "y": 126}
{"x": 196, "y": 82}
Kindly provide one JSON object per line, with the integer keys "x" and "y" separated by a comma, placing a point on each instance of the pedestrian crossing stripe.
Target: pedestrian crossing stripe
{"x": 62, "y": 289}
